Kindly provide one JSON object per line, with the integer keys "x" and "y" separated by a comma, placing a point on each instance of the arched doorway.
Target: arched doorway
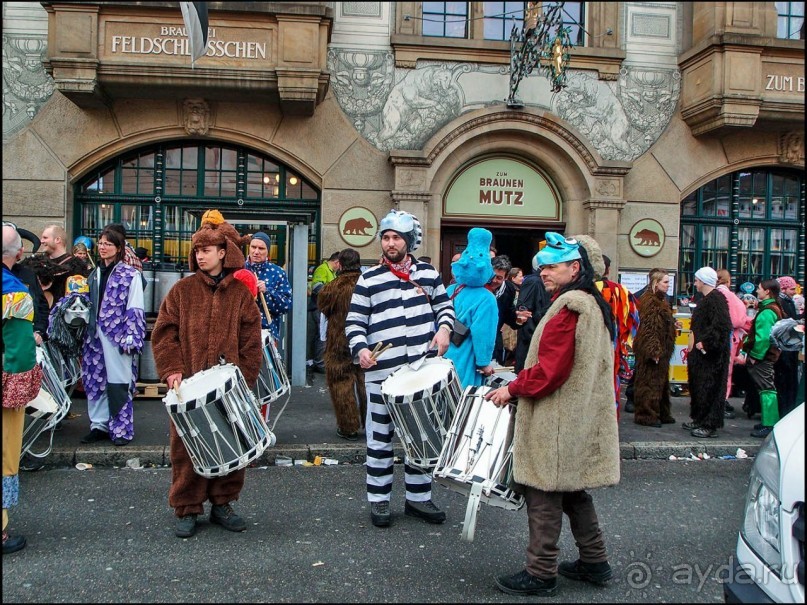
{"x": 159, "y": 193}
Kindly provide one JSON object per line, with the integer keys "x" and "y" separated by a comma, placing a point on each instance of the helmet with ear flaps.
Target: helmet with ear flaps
{"x": 404, "y": 224}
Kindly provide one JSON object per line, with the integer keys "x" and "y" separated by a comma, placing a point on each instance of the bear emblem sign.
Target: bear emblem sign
{"x": 358, "y": 226}
{"x": 647, "y": 237}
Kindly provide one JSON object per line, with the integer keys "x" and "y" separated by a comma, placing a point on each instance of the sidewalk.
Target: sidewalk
{"x": 307, "y": 428}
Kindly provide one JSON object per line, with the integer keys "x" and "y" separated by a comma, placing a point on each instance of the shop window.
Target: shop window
{"x": 445, "y": 19}
{"x": 790, "y": 21}
{"x": 762, "y": 209}
{"x": 190, "y": 177}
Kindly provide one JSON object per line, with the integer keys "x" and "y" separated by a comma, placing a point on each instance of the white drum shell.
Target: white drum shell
{"x": 273, "y": 381}
{"x": 477, "y": 450}
{"x": 422, "y": 404}
{"x": 45, "y": 412}
{"x": 219, "y": 421}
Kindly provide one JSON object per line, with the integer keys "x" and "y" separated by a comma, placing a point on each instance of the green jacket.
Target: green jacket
{"x": 759, "y": 338}
{"x": 322, "y": 275}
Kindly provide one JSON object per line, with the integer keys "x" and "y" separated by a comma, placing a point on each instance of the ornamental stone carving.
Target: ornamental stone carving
{"x": 791, "y": 148}
{"x": 196, "y": 116}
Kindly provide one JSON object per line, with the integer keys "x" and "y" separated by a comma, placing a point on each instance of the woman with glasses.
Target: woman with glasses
{"x": 115, "y": 335}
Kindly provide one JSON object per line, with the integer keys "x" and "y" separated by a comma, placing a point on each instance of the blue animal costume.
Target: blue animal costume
{"x": 475, "y": 306}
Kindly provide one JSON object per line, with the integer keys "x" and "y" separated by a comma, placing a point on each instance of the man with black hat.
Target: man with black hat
{"x": 273, "y": 283}
{"x": 565, "y": 438}
{"x": 401, "y": 302}
{"x": 204, "y": 317}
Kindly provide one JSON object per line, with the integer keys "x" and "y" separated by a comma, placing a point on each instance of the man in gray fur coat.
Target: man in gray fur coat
{"x": 565, "y": 437}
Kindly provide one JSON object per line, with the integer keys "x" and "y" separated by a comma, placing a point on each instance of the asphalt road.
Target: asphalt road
{"x": 106, "y": 535}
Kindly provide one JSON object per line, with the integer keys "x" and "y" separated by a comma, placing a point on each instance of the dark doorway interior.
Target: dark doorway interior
{"x": 519, "y": 243}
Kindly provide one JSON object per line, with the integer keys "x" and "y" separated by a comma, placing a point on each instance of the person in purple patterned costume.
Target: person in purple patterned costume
{"x": 114, "y": 337}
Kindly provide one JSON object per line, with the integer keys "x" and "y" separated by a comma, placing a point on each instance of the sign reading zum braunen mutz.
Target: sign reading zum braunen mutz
{"x": 504, "y": 188}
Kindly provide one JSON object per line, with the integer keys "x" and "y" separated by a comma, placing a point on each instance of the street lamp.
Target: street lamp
{"x": 544, "y": 43}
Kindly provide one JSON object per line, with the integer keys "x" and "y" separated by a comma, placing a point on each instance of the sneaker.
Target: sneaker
{"x": 12, "y": 543}
{"x": 629, "y": 407}
{"x": 702, "y": 432}
{"x": 120, "y": 441}
{"x": 688, "y": 426}
{"x": 729, "y": 414}
{"x": 523, "y": 583}
{"x": 762, "y": 432}
{"x": 349, "y": 436}
{"x": 186, "y": 526}
{"x": 379, "y": 513}
{"x": 224, "y": 515}
{"x": 593, "y": 573}
{"x": 425, "y": 510}
{"x": 758, "y": 426}
{"x": 729, "y": 407}
{"x": 94, "y": 436}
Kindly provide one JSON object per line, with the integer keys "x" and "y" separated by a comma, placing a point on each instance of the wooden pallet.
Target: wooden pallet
{"x": 151, "y": 390}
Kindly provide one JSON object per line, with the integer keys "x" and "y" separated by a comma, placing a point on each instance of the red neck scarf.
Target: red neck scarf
{"x": 400, "y": 270}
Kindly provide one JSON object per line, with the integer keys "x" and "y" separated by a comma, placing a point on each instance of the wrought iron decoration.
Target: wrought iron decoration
{"x": 543, "y": 42}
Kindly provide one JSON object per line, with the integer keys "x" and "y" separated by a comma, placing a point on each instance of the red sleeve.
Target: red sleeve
{"x": 555, "y": 355}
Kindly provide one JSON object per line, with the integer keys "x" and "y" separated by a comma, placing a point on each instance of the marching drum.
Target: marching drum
{"x": 48, "y": 408}
{"x": 477, "y": 458}
{"x": 218, "y": 420}
{"x": 422, "y": 404}
{"x": 68, "y": 369}
{"x": 273, "y": 382}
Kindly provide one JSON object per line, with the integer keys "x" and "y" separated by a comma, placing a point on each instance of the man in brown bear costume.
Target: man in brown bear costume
{"x": 204, "y": 317}
{"x": 345, "y": 379}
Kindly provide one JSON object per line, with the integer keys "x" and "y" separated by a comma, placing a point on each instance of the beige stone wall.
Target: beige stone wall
{"x": 42, "y": 163}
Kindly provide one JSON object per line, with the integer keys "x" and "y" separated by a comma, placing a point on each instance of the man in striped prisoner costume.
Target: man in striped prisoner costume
{"x": 401, "y": 302}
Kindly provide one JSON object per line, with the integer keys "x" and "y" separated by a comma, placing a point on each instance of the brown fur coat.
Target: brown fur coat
{"x": 655, "y": 338}
{"x": 345, "y": 379}
{"x": 197, "y": 323}
{"x": 568, "y": 440}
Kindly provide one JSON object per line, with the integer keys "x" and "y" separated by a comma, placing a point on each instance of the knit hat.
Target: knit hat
{"x": 215, "y": 231}
{"x": 594, "y": 253}
{"x": 558, "y": 249}
{"x": 707, "y": 275}
{"x": 264, "y": 238}
{"x": 404, "y": 224}
{"x": 786, "y": 282}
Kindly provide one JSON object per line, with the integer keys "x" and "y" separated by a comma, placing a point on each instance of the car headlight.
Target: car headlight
{"x": 761, "y": 522}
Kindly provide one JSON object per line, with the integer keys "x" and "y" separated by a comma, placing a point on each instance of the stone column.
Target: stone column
{"x": 603, "y": 226}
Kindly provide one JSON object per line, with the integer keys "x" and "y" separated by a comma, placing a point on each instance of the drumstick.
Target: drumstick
{"x": 375, "y": 349}
{"x": 265, "y": 307}
{"x": 378, "y": 354}
{"x": 176, "y": 391}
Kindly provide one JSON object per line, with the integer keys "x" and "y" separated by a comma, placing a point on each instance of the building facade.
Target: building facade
{"x": 677, "y": 142}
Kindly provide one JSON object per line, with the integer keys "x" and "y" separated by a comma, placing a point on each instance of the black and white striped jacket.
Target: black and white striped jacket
{"x": 385, "y": 308}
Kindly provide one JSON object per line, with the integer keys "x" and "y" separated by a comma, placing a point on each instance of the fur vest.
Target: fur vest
{"x": 198, "y": 321}
{"x": 569, "y": 440}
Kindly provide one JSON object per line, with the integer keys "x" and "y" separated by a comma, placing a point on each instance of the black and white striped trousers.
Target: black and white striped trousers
{"x": 380, "y": 430}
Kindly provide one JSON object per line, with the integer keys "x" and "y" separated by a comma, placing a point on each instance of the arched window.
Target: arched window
{"x": 750, "y": 222}
{"x": 159, "y": 194}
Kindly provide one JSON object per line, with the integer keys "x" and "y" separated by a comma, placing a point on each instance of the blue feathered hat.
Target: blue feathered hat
{"x": 558, "y": 249}
{"x": 473, "y": 268}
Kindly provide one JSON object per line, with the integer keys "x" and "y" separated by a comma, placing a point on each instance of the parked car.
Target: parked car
{"x": 769, "y": 563}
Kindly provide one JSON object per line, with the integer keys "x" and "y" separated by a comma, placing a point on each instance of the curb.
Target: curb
{"x": 158, "y": 455}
